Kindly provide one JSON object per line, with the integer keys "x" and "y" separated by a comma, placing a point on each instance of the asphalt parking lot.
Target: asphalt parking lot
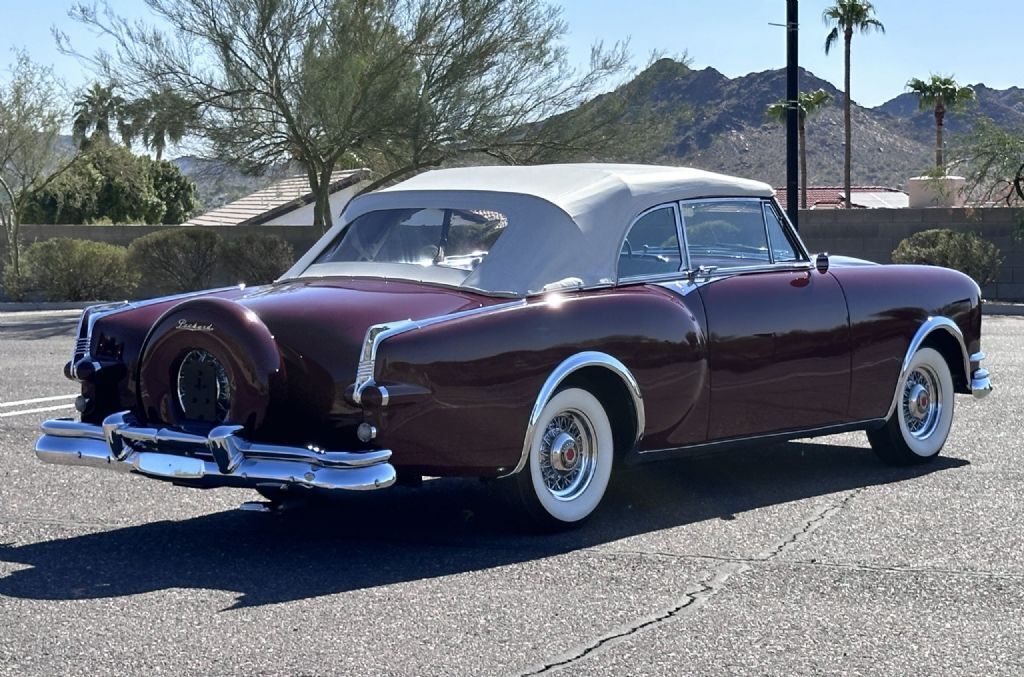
{"x": 803, "y": 558}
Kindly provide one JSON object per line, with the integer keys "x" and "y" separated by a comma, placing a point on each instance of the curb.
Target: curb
{"x": 997, "y": 308}
{"x": 21, "y": 307}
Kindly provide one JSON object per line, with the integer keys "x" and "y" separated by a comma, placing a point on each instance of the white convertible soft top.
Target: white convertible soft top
{"x": 564, "y": 221}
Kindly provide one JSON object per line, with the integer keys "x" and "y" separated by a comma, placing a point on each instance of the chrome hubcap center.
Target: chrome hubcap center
{"x": 919, "y": 401}
{"x": 564, "y": 455}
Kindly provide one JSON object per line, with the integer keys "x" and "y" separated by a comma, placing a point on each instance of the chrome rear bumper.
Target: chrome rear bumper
{"x": 221, "y": 459}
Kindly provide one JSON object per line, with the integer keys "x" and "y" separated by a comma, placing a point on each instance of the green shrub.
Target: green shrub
{"x": 177, "y": 259}
{"x": 109, "y": 184}
{"x": 13, "y": 284}
{"x": 256, "y": 258}
{"x": 79, "y": 270}
{"x": 965, "y": 252}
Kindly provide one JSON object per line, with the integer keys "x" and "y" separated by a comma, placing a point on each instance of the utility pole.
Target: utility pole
{"x": 792, "y": 112}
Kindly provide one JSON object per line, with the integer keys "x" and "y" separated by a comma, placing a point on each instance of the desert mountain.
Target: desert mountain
{"x": 718, "y": 123}
{"x": 704, "y": 119}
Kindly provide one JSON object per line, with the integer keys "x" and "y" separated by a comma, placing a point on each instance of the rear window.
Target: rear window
{"x": 448, "y": 238}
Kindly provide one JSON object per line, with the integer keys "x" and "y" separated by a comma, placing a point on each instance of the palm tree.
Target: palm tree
{"x": 845, "y": 17}
{"x": 164, "y": 117}
{"x": 941, "y": 93}
{"x": 807, "y": 104}
{"x": 94, "y": 111}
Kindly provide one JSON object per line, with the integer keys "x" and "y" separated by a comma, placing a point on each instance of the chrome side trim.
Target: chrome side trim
{"x": 378, "y": 333}
{"x": 789, "y": 266}
{"x": 564, "y": 370}
{"x": 648, "y": 279}
{"x": 932, "y": 324}
{"x": 683, "y": 287}
{"x": 687, "y": 281}
{"x": 223, "y": 458}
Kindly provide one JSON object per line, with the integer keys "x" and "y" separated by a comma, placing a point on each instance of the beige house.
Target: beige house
{"x": 285, "y": 203}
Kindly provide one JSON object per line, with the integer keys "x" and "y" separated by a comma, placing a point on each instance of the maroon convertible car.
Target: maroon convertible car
{"x": 534, "y": 324}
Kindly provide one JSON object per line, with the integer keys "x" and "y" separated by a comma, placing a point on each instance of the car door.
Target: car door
{"x": 778, "y": 330}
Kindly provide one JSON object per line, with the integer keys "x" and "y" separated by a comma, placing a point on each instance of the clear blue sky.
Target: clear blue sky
{"x": 976, "y": 42}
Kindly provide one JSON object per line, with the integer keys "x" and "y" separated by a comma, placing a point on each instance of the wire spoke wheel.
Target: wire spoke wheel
{"x": 569, "y": 462}
{"x": 568, "y": 455}
{"x": 922, "y": 402}
{"x": 918, "y": 428}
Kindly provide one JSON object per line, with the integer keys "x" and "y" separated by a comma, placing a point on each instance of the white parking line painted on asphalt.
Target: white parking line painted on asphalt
{"x": 37, "y": 400}
{"x": 34, "y": 411}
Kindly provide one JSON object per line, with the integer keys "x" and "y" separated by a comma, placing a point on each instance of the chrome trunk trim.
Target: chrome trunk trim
{"x": 223, "y": 458}
{"x": 378, "y": 333}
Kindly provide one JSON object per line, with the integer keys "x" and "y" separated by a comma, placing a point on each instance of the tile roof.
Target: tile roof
{"x": 276, "y": 199}
{"x": 829, "y": 197}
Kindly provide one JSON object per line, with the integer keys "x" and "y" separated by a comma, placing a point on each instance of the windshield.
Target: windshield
{"x": 450, "y": 238}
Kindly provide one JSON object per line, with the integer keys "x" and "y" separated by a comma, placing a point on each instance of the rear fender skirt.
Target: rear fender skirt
{"x": 932, "y": 324}
{"x": 564, "y": 370}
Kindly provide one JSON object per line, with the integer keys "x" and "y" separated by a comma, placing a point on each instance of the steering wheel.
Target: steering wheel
{"x": 628, "y": 247}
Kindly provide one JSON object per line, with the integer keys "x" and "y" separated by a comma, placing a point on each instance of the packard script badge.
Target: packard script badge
{"x": 194, "y": 326}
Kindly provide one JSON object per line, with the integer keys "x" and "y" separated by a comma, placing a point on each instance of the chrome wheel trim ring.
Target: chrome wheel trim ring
{"x": 922, "y": 402}
{"x": 568, "y": 454}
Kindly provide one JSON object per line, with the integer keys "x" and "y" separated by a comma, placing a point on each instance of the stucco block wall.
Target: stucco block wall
{"x": 864, "y": 233}
{"x": 872, "y": 234}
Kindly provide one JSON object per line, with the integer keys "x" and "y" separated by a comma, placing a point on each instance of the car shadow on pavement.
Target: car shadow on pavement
{"x": 446, "y": 527}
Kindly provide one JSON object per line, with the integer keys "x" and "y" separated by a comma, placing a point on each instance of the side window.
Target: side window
{"x": 783, "y": 250}
{"x": 651, "y": 246}
{"x": 725, "y": 233}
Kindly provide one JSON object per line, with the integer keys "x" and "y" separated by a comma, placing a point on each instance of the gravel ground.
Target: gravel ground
{"x": 803, "y": 558}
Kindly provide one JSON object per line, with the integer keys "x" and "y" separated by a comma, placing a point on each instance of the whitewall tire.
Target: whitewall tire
{"x": 918, "y": 428}
{"x": 570, "y": 461}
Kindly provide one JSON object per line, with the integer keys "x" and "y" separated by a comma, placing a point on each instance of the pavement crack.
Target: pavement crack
{"x": 812, "y": 524}
{"x": 700, "y": 596}
{"x": 934, "y": 571}
{"x": 690, "y": 602}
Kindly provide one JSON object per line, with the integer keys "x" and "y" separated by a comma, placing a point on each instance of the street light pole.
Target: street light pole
{"x": 792, "y": 113}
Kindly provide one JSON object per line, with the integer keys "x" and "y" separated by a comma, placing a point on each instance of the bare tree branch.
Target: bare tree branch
{"x": 328, "y": 83}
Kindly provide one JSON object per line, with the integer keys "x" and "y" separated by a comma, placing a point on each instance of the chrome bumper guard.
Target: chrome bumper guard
{"x": 981, "y": 385}
{"x": 221, "y": 459}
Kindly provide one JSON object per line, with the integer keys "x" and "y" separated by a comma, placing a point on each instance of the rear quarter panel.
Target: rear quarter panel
{"x": 480, "y": 376}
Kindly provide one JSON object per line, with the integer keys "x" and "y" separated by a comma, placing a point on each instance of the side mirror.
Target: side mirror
{"x": 821, "y": 262}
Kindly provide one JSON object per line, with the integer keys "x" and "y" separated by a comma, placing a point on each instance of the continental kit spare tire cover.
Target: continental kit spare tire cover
{"x": 209, "y": 361}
